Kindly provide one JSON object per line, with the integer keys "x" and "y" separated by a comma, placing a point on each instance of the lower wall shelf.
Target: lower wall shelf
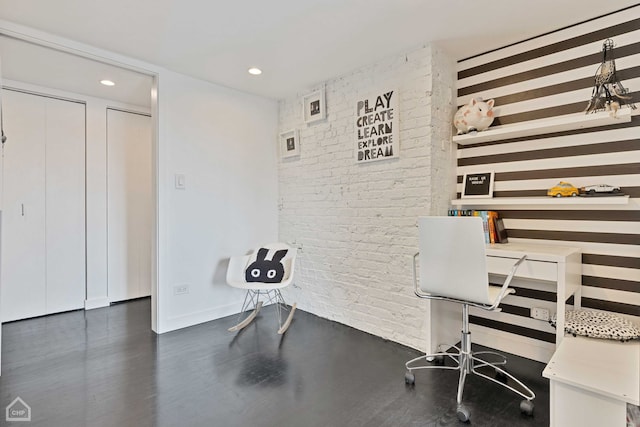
{"x": 556, "y": 201}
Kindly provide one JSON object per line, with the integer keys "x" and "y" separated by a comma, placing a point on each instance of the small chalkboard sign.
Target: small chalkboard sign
{"x": 478, "y": 185}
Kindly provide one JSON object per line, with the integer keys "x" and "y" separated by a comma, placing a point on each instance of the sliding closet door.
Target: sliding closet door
{"x": 65, "y": 205}
{"x": 23, "y": 219}
{"x": 129, "y": 212}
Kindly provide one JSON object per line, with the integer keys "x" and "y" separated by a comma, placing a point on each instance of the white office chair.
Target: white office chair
{"x": 263, "y": 273}
{"x": 453, "y": 268}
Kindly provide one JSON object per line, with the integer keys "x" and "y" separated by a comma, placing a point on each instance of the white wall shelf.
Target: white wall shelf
{"x": 556, "y": 201}
{"x": 543, "y": 126}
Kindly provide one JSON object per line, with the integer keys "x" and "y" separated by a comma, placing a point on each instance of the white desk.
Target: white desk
{"x": 560, "y": 265}
{"x": 591, "y": 381}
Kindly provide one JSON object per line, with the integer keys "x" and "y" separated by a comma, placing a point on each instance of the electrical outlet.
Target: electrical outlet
{"x": 180, "y": 289}
{"x": 540, "y": 313}
{"x": 296, "y": 245}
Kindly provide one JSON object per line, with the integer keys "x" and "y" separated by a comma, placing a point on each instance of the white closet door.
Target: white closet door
{"x": 23, "y": 228}
{"x": 1, "y": 204}
{"x": 43, "y": 241}
{"x": 65, "y": 205}
{"x": 129, "y": 211}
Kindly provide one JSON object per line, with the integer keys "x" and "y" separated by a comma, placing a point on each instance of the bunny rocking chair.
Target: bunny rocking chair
{"x": 262, "y": 274}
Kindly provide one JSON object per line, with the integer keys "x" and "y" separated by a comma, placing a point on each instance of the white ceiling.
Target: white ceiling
{"x": 298, "y": 43}
{"x": 46, "y": 67}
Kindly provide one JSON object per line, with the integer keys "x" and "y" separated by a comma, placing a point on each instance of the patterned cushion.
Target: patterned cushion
{"x": 598, "y": 324}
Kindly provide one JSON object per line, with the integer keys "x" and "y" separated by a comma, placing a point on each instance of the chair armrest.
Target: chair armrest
{"x": 415, "y": 279}
{"x": 507, "y": 282}
{"x": 416, "y": 289}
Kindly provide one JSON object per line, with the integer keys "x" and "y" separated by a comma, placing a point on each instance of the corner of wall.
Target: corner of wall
{"x": 442, "y": 148}
{"x": 356, "y": 223}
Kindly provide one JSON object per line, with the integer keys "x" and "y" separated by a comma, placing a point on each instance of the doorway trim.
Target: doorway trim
{"x": 37, "y": 37}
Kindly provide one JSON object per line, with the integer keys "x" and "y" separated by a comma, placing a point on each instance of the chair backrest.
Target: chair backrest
{"x": 452, "y": 258}
{"x": 238, "y": 265}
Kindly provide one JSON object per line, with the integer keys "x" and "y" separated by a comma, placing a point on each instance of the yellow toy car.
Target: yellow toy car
{"x": 563, "y": 189}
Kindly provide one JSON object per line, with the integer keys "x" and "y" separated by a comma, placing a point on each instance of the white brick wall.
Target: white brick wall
{"x": 357, "y": 222}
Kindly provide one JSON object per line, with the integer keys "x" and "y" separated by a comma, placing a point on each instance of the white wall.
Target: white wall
{"x": 538, "y": 81}
{"x": 357, "y": 222}
{"x": 224, "y": 142}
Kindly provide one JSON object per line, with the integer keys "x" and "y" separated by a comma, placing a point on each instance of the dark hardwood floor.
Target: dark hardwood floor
{"x": 105, "y": 367}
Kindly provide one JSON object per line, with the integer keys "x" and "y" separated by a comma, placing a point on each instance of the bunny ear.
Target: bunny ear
{"x": 277, "y": 257}
{"x": 262, "y": 254}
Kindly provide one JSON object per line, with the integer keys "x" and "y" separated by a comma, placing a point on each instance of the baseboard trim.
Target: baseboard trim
{"x": 92, "y": 303}
{"x": 192, "y": 319}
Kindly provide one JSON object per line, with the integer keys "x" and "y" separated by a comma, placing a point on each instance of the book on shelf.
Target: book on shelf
{"x": 492, "y": 215}
{"x": 501, "y": 232}
{"x": 492, "y": 224}
{"x": 485, "y": 224}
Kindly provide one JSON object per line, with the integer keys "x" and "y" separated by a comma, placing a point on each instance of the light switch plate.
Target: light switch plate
{"x": 180, "y": 181}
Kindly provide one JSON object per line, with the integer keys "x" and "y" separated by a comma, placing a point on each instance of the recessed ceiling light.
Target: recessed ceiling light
{"x": 107, "y": 82}
{"x": 255, "y": 71}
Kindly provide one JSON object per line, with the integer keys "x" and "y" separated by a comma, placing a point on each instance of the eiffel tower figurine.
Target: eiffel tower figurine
{"x": 608, "y": 92}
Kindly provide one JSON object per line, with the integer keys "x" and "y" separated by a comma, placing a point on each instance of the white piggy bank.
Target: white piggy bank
{"x": 477, "y": 115}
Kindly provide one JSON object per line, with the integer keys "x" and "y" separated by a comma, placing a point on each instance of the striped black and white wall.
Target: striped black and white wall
{"x": 545, "y": 77}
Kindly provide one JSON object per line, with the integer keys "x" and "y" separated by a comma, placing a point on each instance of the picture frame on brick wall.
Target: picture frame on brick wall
{"x": 289, "y": 144}
{"x": 313, "y": 107}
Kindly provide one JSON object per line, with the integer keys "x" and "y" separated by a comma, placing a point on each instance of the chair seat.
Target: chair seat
{"x": 258, "y": 286}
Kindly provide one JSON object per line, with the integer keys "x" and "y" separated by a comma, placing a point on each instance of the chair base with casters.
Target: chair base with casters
{"x": 453, "y": 268}
{"x": 262, "y": 274}
{"x": 468, "y": 362}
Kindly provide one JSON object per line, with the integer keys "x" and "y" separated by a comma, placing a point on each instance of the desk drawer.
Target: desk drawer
{"x": 539, "y": 270}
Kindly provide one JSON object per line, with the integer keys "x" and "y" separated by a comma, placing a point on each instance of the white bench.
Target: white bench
{"x": 592, "y": 380}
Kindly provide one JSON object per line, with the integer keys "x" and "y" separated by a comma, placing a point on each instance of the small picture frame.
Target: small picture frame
{"x": 289, "y": 144}
{"x": 477, "y": 185}
{"x": 313, "y": 108}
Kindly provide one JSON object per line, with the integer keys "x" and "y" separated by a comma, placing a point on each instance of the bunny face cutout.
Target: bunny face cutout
{"x": 266, "y": 271}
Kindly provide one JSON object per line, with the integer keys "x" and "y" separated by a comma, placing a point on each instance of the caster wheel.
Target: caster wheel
{"x": 463, "y": 413}
{"x": 501, "y": 376}
{"x": 409, "y": 378}
{"x": 526, "y": 407}
{"x": 439, "y": 360}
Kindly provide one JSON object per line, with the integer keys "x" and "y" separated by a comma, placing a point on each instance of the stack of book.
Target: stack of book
{"x": 494, "y": 231}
